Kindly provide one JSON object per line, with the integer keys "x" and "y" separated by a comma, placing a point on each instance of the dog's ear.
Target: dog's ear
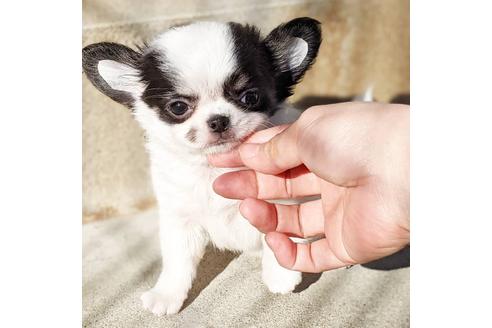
{"x": 293, "y": 47}
{"x": 113, "y": 69}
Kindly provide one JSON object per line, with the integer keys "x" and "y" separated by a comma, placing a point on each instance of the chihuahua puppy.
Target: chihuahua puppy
{"x": 199, "y": 89}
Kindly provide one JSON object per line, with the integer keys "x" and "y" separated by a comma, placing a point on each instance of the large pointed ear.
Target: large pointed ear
{"x": 293, "y": 46}
{"x": 113, "y": 69}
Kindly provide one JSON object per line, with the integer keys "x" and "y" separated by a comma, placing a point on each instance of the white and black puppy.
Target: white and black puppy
{"x": 199, "y": 89}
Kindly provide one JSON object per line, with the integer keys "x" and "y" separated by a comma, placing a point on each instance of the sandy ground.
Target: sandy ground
{"x": 121, "y": 259}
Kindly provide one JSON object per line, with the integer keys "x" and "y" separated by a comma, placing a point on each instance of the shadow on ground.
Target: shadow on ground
{"x": 211, "y": 265}
{"x": 307, "y": 280}
{"x": 398, "y": 260}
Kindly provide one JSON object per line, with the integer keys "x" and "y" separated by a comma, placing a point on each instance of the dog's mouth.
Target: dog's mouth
{"x": 230, "y": 139}
{"x": 223, "y": 144}
{"x": 224, "y": 141}
{"x": 223, "y": 138}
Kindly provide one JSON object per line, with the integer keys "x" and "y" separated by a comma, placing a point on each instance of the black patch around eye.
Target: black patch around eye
{"x": 160, "y": 91}
{"x": 255, "y": 70}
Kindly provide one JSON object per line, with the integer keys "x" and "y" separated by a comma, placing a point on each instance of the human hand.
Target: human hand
{"x": 355, "y": 155}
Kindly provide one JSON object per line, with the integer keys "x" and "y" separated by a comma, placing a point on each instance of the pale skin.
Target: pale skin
{"x": 355, "y": 156}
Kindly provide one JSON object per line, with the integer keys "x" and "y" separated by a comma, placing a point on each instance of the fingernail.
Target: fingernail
{"x": 249, "y": 150}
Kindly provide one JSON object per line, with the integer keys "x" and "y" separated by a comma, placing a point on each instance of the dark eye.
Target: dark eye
{"x": 250, "y": 97}
{"x": 178, "y": 108}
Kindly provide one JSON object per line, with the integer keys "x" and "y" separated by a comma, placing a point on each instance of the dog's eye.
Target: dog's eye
{"x": 178, "y": 108}
{"x": 250, "y": 97}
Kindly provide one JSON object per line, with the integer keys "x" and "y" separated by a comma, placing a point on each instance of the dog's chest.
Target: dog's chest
{"x": 187, "y": 195}
{"x": 187, "y": 191}
{"x": 205, "y": 203}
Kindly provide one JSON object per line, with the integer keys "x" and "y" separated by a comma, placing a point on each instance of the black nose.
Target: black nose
{"x": 218, "y": 123}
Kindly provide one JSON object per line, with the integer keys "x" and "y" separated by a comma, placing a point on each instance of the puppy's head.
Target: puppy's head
{"x": 205, "y": 86}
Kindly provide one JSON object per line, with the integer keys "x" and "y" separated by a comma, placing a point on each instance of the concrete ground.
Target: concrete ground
{"x": 121, "y": 259}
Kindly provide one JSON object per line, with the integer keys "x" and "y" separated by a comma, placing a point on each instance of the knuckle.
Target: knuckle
{"x": 272, "y": 152}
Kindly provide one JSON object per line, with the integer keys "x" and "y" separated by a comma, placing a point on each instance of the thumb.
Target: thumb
{"x": 275, "y": 156}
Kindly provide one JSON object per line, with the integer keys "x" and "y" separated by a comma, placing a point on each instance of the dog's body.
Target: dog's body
{"x": 191, "y": 215}
{"x": 201, "y": 89}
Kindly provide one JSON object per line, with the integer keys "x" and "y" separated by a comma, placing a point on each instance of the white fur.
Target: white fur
{"x": 298, "y": 50}
{"x": 187, "y": 46}
{"x": 191, "y": 214}
{"x": 120, "y": 76}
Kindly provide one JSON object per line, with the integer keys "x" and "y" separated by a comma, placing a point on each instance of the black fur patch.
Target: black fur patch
{"x": 263, "y": 65}
{"x": 161, "y": 89}
{"x": 278, "y": 41}
{"x": 92, "y": 54}
{"x": 255, "y": 70}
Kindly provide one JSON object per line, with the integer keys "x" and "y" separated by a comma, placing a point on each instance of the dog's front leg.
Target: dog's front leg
{"x": 277, "y": 278}
{"x": 182, "y": 246}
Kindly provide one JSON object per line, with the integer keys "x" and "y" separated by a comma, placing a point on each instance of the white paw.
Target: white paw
{"x": 281, "y": 281}
{"x": 159, "y": 302}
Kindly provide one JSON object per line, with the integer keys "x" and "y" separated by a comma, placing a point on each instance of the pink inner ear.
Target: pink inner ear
{"x": 298, "y": 49}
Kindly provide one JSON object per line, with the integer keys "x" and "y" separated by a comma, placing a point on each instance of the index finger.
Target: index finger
{"x": 233, "y": 159}
{"x": 297, "y": 182}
